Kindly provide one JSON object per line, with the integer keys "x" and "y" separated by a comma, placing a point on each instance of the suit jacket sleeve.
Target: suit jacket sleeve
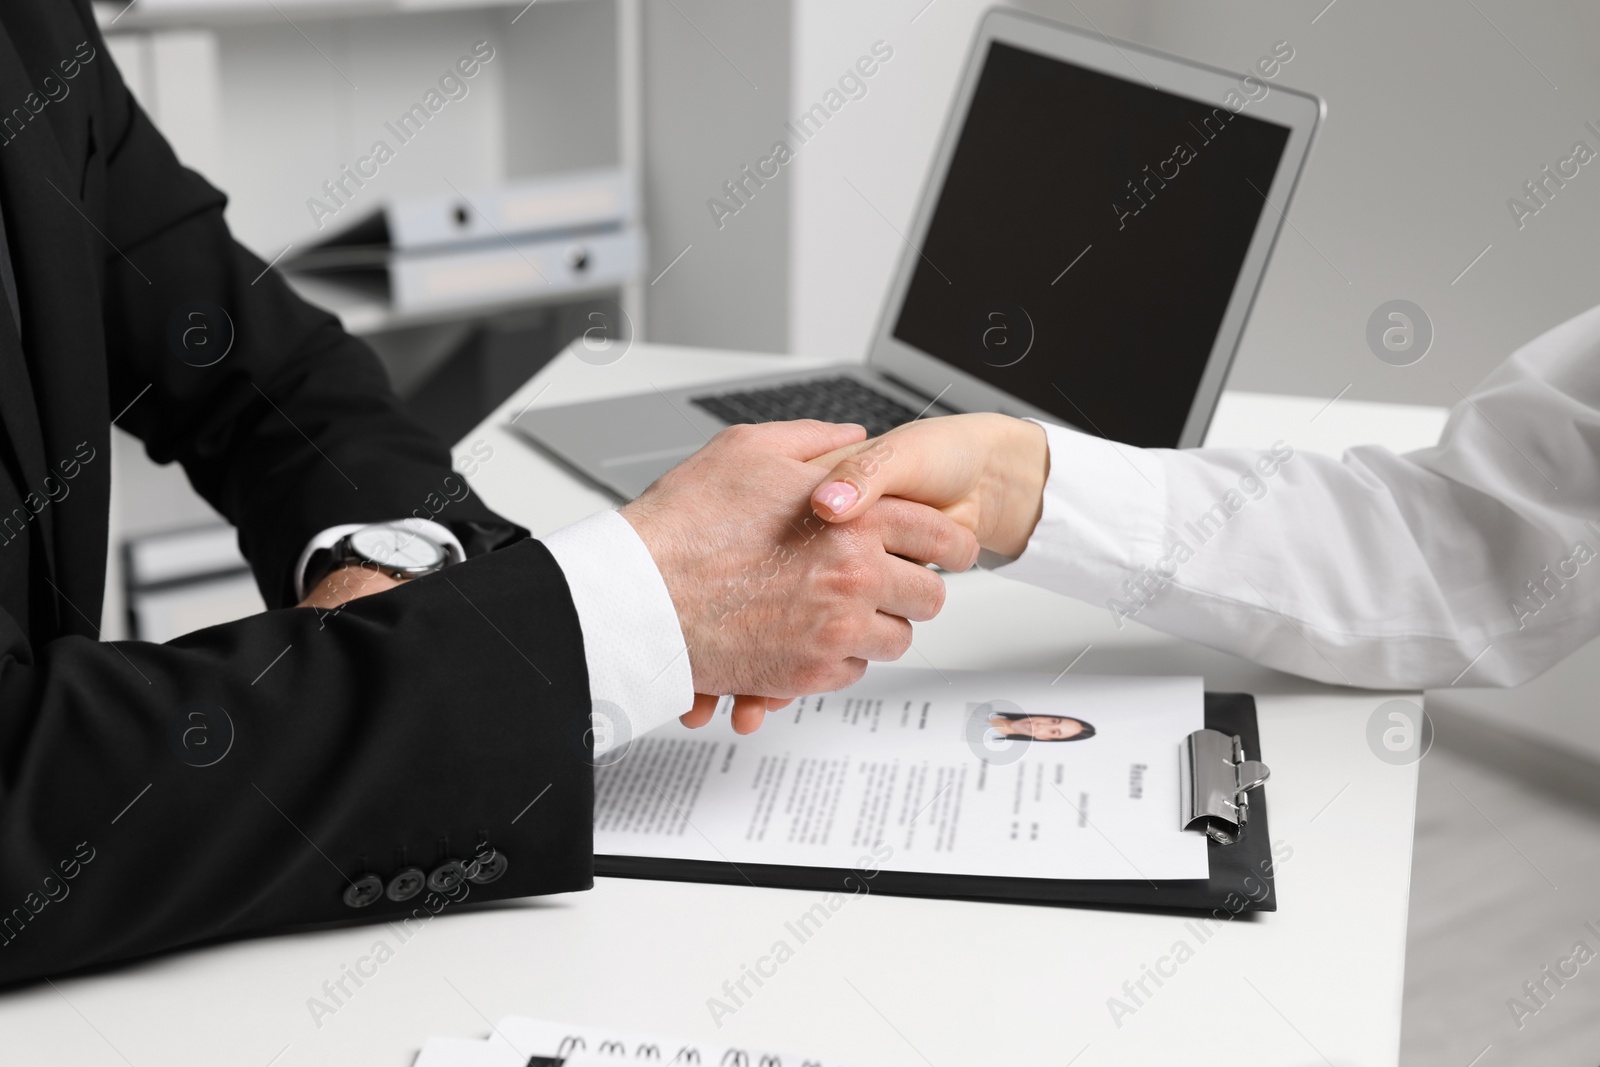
{"x": 247, "y": 777}
{"x": 273, "y": 771}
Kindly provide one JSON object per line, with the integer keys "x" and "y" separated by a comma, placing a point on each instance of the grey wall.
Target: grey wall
{"x": 716, "y": 76}
{"x": 560, "y": 83}
{"x": 1436, "y": 116}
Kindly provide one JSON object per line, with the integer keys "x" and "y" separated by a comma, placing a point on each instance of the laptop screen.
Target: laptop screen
{"x": 1086, "y": 242}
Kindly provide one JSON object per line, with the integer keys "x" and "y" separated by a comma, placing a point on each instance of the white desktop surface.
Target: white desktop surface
{"x": 886, "y": 982}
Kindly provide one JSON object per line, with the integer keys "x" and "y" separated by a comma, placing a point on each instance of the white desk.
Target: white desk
{"x": 887, "y": 982}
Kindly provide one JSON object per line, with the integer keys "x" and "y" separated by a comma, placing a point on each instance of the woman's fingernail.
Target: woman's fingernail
{"x": 838, "y": 497}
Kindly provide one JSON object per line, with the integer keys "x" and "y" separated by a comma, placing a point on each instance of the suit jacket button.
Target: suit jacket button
{"x": 488, "y": 868}
{"x": 406, "y": 884}
{"x": 447, "y": 876}
{"x": 363, "y": 891}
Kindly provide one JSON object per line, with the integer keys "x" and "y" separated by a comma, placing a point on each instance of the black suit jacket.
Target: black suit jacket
{"x": 282, "y": 768}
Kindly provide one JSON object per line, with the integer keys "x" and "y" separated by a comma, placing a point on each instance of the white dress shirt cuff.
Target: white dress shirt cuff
{"x": 440, "y": 535}
{"x": 638, "y": 662}
{"x": 1102, "y": 516}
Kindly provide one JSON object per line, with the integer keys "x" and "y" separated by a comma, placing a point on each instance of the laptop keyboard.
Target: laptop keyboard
{"x": 838, "y": 399}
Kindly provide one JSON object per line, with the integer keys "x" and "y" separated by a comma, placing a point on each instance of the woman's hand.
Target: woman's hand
{"x": 986, "y": 471}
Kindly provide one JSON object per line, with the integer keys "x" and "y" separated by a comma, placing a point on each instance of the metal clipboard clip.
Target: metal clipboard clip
{"x": 1215, "y": 782}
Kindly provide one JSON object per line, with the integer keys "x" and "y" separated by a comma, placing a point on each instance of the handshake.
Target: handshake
{"x": 796, "y": 552}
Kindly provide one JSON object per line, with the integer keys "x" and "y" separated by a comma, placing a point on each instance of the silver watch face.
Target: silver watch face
{"x": 397, "y": 548}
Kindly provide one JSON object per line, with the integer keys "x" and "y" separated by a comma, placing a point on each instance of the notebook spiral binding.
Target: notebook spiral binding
{"x": 687, "y": 1056}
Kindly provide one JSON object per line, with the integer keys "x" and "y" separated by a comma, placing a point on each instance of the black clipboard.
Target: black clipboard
{"x": 1241, "y": 872}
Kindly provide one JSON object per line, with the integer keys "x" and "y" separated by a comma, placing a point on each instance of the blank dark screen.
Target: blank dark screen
{"x": 1086, "y": 242}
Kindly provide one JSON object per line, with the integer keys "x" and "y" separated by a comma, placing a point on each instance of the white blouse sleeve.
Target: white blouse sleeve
{"x": 1472, "y": 561}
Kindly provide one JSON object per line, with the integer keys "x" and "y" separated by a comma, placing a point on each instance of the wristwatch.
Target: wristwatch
{"x": 392, "y": 547}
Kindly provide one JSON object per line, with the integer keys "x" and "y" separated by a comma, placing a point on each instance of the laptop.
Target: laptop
{"x": 1092, "y": 233}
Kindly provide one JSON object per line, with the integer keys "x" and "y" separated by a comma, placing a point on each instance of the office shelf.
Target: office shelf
{"x": 364, "y": 314}
{"x": 176, "y": 54}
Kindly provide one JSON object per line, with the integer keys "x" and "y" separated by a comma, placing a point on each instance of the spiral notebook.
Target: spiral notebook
{"x": 523, "y": 1042}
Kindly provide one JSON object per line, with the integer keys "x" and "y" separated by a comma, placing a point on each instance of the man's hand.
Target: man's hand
{"x": 985, "y": 471}
{"x": 773, "y": 600}
{"x": 748, "y": 712}
{"x": 346, "y": 584}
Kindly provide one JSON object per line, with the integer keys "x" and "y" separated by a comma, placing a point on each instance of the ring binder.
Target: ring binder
{"x": 1215, "y": 783}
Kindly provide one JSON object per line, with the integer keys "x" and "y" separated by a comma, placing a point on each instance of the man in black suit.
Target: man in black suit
{"x": 425, "y": 744}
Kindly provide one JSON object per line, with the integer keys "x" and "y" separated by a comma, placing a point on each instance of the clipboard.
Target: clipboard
{"x": 1223, "y": 797}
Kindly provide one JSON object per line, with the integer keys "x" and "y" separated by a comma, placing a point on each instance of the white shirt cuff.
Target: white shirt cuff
{"x": 440, "y": 535}
{"x": 639, "y": 676}
{"x": 1102, "y": 516}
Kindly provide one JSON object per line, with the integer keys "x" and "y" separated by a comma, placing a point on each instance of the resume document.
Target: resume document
{"x": 945, "y": 772}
